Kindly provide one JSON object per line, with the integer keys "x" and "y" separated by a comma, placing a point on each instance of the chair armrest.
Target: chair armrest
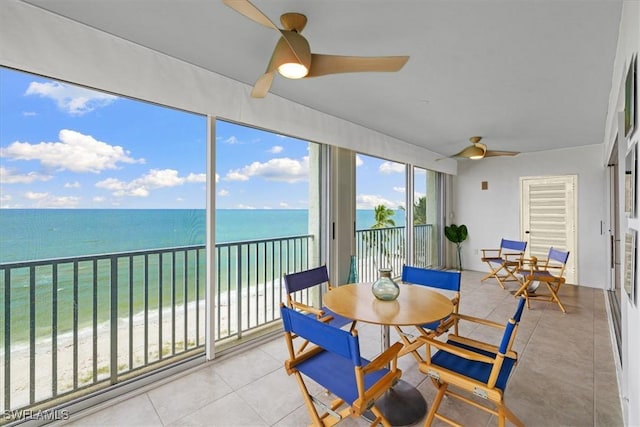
{"x": 529, "y": 264}
{"x": 383, "y": 359}
{"x": 290, "y": 364}
{"x": 517, "y": 255}
{"x": 480, "y": 321}
{"x": 495, "y": 252}
{"x": 307, "y": 308}
{"x": 482, "y": 345}
{"x": 458, "y": 351}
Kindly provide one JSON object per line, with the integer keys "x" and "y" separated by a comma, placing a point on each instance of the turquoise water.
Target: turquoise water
{"x": 33, "y": 234}
{"x": 27, "y": 235}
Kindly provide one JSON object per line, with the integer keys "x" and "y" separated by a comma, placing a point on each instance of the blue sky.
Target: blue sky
{"x": 63, "y": 146}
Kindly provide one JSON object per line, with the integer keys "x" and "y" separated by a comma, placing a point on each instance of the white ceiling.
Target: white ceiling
{"x": 527, "y": 75}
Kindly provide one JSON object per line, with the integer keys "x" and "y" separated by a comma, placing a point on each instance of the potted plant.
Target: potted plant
{"x": 457, "y": 235}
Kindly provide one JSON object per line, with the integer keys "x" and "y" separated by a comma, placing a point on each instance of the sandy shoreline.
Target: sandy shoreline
{"x": 64, "y": 351}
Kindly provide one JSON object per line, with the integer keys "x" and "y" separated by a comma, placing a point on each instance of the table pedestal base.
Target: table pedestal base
{"x": 403, "y": 405}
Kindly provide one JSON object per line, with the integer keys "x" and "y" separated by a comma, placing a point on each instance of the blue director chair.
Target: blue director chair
{"x": 437, "y": 279}
{"x": 549, "y": 271}
{"x": 299, "y": 286}
{"x": 504, "y": 261}
{"x": 334, "y": 362}
{"x": 476, "y": 367}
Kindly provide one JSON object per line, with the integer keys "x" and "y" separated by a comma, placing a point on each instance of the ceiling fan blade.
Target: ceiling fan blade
{"x": 262, "y": 86}
{"x": 244, "y": 7}
{"x": 472, "y": 151}
{"x": 332, "y": 64}
{"x": 494, "y": 153}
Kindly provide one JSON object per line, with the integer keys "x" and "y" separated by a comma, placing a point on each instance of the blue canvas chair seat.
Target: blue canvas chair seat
{"x": 549, "y": 271}
{"x": 436, "y": 279}
{"x": 335, "y": 373}
{"x": 504, "y": 261}
{"x": 299, "y": 287}
{"x": 478, "y": 371}
{"x": 334, "y": 362}
{"x": 473, "y": 366}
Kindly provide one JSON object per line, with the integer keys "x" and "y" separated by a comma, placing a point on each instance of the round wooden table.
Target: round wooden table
{"x": 416, "y": 305}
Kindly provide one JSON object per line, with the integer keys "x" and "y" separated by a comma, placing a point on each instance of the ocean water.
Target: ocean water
{"x": 40, "y": 234}
{"x": 34, "y": 234}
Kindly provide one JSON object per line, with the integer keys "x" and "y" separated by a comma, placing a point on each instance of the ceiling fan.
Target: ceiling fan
{"x": 478, "y": 150}
{"x": 292, "y": 56}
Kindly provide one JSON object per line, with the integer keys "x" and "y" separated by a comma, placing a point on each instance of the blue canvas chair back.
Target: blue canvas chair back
{"x": 448, "y": 280}
{"x": 305, "y": 279}
{"x": 559, "y": 256}
{"x": 505, "y": 344}
{"x": 328, "y": 337}
{"x": 513, "y": 245}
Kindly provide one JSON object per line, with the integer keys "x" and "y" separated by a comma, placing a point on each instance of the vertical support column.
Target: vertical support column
{"x": 210, "y": 305}
{"x": 316, "y": 181}
{"x": 343, "y": 213}
{"x": 409, "y": 202}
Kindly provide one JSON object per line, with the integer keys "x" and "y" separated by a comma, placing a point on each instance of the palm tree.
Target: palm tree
{"x": 420, "y": 211}
{"x": 379, "y": 240}
{"x": 383, "y": 216}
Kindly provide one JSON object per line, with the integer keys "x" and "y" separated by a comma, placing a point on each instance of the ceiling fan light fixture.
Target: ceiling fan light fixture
{"x": 475, "y": 153}
{"x": 293, "y": 70}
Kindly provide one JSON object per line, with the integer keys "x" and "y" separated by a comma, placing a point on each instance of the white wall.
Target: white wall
{"x": 495, "y": 213}
{"x": 628, "y": 44}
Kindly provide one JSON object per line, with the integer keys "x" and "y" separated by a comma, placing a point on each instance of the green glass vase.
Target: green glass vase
{"x": 385, "y": 288}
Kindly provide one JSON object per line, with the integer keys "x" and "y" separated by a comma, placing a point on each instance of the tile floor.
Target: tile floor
{"x": 565, "y": 376}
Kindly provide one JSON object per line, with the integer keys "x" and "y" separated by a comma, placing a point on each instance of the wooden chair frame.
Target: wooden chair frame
{"x": 304, "y": 281}
{"x": 334, "y": 362}
{"x": 437, "y": 279}
{"x": 541, "y": 270}
{"x": 490, "y": 364}
{"x": 505, "y": 260}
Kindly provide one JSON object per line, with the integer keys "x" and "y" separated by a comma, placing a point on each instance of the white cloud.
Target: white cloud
{"x": 399, "y": 189}
{"x": 197, "y": 177}
{"x": 281, "y": 169}
{"x": 29, "y": 113}
{"x": 236, "y": 176}
{"x": 223, "y": 193}
{"x": 417, "y": 195}
{"x": 217, "y": 177}
{"x": 73, "y": 100}
{"x": 72, "y": 185}
{"x": 231, "y": 140}
{"x": 391, "y": 167}
{"x": 370, "y": 201}
{"x": 47, "y": 200}
{"x": 359, "y": 161}
{"x": 32, "y": 195}
{"x": 98, "y": 199}
{"x": 241, "y": 206}
{"x": 284, "y": 205}
{"x": 154, "y": 179}
{"x": 75, "y": 152}
{"x": 8, "y": 176}
{"x": 276, "y": 149}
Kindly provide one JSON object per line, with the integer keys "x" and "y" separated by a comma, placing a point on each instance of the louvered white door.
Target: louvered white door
{"x": 548, "y": 217}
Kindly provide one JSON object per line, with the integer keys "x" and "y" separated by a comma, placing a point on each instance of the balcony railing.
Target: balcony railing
{"x": 385, "y": 248}
{"x": 74, "y": 325}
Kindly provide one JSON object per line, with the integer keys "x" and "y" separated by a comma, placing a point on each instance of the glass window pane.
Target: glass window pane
{"x": 380, "y": 216}
{"x": 426, "y": 218}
